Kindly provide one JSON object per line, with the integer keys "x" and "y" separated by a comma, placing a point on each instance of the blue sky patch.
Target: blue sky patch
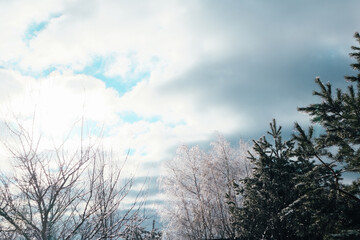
{"x": 35, "y": 28}
{"x": 131, "y": 117}
{"x": 47, "y": 71}
{"x": 130, "y": 152}
{"x": 179, "y": 123}
{"x": 122, "y": 84}
{"x": 14, "y": 65}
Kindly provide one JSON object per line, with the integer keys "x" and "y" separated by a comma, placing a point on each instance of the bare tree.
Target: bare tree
{"x": 60, "y": 194}
{"x": 195, "y": 184}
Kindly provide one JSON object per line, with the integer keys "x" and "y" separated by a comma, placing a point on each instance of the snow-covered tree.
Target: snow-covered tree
{"x": 136, "y": 231}
{"x": 195, "y": 184}
{"x": 57, "y": 193}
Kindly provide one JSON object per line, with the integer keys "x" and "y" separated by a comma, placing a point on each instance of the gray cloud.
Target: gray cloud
{"x": 277, "y": 51}
{"x": 261, "y": 90}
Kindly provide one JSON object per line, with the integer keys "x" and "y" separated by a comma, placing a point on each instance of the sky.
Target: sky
{"x": 152, "y": 75}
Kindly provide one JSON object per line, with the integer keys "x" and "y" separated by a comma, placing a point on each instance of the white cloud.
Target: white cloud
{"x": 61, "y": 99}
{"x": 190, "y": 42}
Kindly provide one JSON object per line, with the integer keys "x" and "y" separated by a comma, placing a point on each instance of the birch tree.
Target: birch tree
{"x": 195, "y": 184}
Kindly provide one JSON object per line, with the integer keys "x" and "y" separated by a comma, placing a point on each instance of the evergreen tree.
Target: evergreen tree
{"x": 296, "y": 190}
{"x": 284, "y": 199}
{"x": 339, "y": 116}
{"x": 338, "y": 148}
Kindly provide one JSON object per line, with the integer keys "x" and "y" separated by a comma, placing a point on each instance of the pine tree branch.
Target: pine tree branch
{"x": 337, "y": 180}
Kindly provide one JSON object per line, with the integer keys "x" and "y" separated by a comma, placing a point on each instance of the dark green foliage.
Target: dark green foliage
{"x": 338, "y": 148}
{"x": 296, "y": 191}
{"x": 343, "y": 208}
{"x": 339, "y": 115}
{"x": 288, "y": 196}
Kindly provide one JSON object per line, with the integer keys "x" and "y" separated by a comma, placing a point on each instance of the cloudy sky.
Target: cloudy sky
{"x": 156, "y": 74}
